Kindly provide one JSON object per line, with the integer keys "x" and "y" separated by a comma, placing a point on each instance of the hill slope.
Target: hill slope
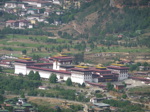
{"x": 104, "y": 16}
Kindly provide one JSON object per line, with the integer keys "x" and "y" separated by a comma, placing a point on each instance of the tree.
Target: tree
{"x": 145, "y": 64}
{"x": 42, "y": 10}
{"x": 1, "y": 69}
{"x": 58, "y": 109}
{"x": 78, "y": 58}
{"x": 110, "y": 86}
{"x": 69, "y": 82}
{"x": 31, "y": 74}
{"x": 1, "y": 99}
{"x": 34, "y": 76}
{"x": 53, "y": 78}
{"x": 138, "y": 64}
{"x": 124, "y": 96}
{"x": 83, "y": 85}
{"x": 37, "y": 76}
{"x": 22, "y": 95}
{"x": 35, "y": 57}
{"x": 24, "y": 51}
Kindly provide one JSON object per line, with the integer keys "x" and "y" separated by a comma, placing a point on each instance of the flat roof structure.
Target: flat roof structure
{"x": 117, "y": 67}
{"x": 50, "y": 70}
{"x": 101, "y": 104}
{"x": 43, "y": 64}
{"x": 81, "y": 69}
{"x": 24, "y": 61}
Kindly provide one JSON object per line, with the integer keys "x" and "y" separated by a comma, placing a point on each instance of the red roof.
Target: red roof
{"x": 13, "y": 21}
{"x": 4, "y": 63}
{"x": 106, "y": 74}
{"x": 25, "y": 21}
{"x": 10, "y": 21}
{"x": 42, "y": 64}
{"x": 96, "y": 70}
{"x": 95, "y": 84}
{"x": 140, "y": 78}
{"x": 81, "y": 69}
{"x": 118, "y": 68}
{"x": 24, "y": 61}
{"x": 51, "y": 70}
{"x": 6, "y": 60}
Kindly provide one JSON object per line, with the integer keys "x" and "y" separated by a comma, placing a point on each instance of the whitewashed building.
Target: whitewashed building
{"x": 120, "y": 70}
{"x": 18, "y": 24}
{"x": 13, "y": 4}
{"x": 63, "y": 68}
{"x": 37, "y": 3}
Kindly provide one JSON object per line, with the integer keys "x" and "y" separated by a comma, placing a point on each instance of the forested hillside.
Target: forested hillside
{"x": 102, "y": 19}
{"x": 122, "y": 16}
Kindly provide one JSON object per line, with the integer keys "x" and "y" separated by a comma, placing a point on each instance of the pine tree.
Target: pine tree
{"x": 53, "y": 78}
{"x": 69, "y": 82}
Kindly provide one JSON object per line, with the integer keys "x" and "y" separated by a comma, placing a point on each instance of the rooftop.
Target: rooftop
{"x": 118, "y": 68}
{"x": 81, "y": 70}
{"x": 62, "y": 57}
{"x": 51, "y": 70}
{"x": 101, "y": 104}
{"x": 13, "y": 21}
{"x": 24, "y": 61}
{"x": 43, "y": 64}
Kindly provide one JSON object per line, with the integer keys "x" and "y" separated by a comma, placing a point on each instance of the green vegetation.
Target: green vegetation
{"x": 53, "y": 78}
{"x": 110, "y": 86}
{"x": 6, "y": 16}
{"x": 7, "y": 70}
{"x": 16, "y": 85}
{"x": 69, "y": 82}
{"x": 72, "y": 108}
{"x": 1, "y": 98}
{"x": 140, "y": 90}
{"x": 124, "y": 106}
{"x": 34, "y": 76}
{"x": 64, "y": 18}
{"x": 1, "y": 69}
{"x": 137, "y": 65}
{"x": 111, "y": 22}
{"x": 25, "y": 31}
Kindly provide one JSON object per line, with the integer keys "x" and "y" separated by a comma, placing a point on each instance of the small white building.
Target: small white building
{"x": 37, "y": 3}
{"x": 32, "y": 11}
{"x": 36, "y": 17}
{"x": 13, "y": 4}
{"x": 56, "y": 2}
{"x": 42, "y": 87}
{"x": 18, "y": 24}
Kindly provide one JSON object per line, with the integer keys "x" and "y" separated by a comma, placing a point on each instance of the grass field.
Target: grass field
{"x": 45, "y": 46}
{"x": 140, "y": 90}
